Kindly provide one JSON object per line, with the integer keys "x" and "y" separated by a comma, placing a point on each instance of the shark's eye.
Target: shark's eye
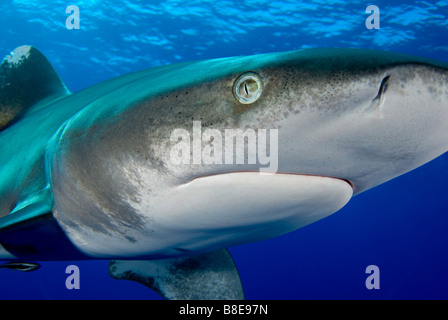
{"x": 248, "y": 88}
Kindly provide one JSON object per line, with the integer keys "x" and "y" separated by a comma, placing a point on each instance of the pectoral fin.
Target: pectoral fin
{"x": 209, "y": 276}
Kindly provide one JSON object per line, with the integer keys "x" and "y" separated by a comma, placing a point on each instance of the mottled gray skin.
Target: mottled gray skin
{"x": 315, "y": 98}
{"x": 104, "y": 153}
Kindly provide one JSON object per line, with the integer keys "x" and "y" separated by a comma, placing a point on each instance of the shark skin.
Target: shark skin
{"x": 90, "y": 175}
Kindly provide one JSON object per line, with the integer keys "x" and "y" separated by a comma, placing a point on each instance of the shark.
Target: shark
{"x": 100, "y": 174}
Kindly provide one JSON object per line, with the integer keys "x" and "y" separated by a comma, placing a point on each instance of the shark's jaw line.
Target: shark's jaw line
{"x": 229, "y": 208}
{"x": 278, "y": 173}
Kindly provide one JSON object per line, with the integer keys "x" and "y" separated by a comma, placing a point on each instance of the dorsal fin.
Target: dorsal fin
{"x": 26, "y": 77}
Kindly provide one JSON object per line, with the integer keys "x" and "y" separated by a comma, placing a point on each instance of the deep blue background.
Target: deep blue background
{"x": 400, "y": 226}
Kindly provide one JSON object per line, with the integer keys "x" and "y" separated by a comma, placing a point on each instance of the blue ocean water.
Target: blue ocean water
{"x": 400, "y": 226}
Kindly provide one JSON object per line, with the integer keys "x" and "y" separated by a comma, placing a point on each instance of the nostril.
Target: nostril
{"x": 380, "y": 97}
{"x": 382, "y": 90}
{"x": 378, "y": 101}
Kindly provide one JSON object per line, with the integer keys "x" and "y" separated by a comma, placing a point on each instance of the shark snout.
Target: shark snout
{"x": 406, "y": 125}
